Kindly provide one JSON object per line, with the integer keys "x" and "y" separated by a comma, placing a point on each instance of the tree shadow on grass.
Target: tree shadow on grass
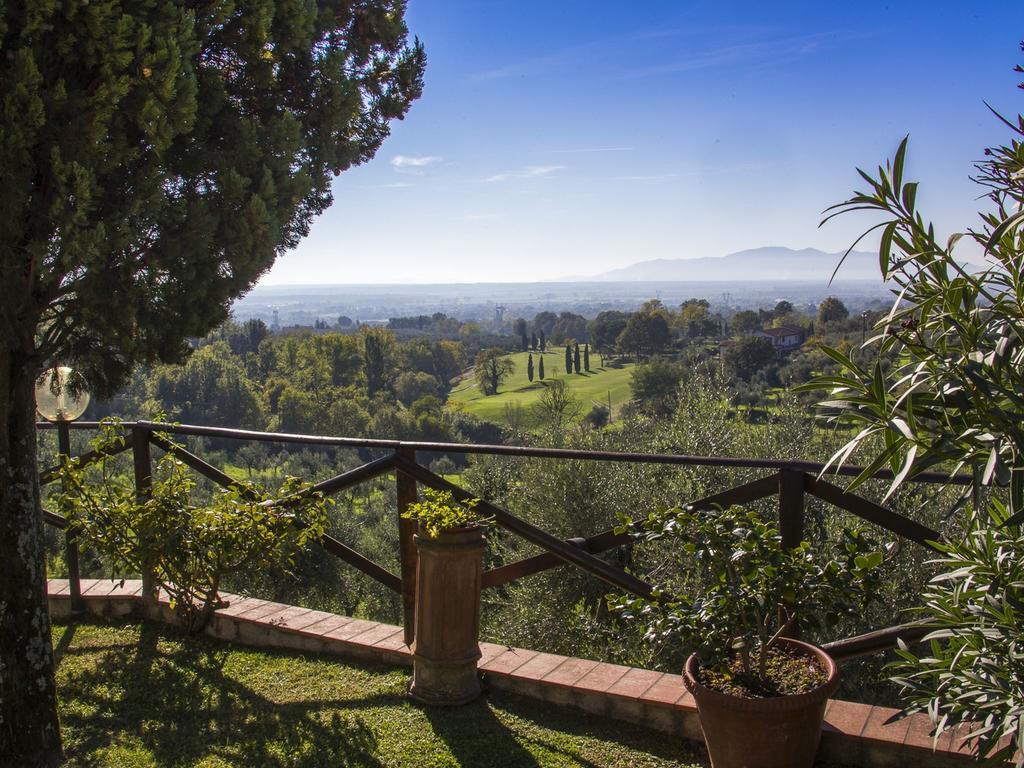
{"x": 476, "y": 738}
{"x": 572, "y": 722}
{"x": 63, "y": 644}
{"x": 181, "y": 707}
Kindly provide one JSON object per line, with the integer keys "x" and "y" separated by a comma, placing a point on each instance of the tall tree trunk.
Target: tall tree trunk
{"x": 29, "y": 730}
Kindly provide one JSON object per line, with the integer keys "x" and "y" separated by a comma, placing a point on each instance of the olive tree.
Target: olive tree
{"x": 156, "y": 158}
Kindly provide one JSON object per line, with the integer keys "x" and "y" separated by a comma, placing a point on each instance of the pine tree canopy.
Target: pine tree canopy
{"x": 158, "y": 156}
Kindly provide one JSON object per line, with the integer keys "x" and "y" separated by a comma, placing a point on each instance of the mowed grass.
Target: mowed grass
{"x": 139, "y": 695}
{"x": 588, "y": 387}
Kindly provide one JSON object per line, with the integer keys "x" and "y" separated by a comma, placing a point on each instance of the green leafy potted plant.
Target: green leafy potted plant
{"x": 761, "y": 695}
{"x": 449, "y": 568}
{"x": 188, "y": 542}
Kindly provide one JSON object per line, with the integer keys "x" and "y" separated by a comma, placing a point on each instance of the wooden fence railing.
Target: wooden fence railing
{"x": 790, "y": 481}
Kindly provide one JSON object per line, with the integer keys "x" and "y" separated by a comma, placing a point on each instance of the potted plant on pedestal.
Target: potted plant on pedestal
{"x": 449, "y": 565}
{"x": 761, "y": 695}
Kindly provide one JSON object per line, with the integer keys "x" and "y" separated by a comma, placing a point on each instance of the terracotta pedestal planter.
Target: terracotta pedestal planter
{"x": 446, "y": 648}
{"x": 780, "y": 732}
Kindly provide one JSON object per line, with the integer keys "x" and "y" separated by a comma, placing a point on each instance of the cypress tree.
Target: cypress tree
{"x": 568, "y": 359}
{"x": 523, "y": 342}
{"x": 586, "y": 358}
{"x": 529, "y": 368}
{"x": 540, "y": 368}
{"x": 156, "y": 159}
{"x": 543, "y": 341}
{"x": 576, "y": 358}
{"x": 533, "y": 341}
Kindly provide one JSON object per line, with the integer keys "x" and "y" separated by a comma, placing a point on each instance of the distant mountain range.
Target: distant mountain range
{"x": 772, "y": 263}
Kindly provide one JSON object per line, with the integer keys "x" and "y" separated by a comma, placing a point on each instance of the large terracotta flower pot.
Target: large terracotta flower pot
{"x": 778, "y": 732}
{"x": 446, "y": 648}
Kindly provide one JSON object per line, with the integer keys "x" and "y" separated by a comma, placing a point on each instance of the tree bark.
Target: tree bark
{"x": 29, "y": 729}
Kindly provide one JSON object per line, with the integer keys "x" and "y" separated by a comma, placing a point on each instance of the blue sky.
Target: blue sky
{"x": 569, "y": 138}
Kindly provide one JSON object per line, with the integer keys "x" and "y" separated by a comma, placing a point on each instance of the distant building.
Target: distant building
{"x": 784, "y": 339}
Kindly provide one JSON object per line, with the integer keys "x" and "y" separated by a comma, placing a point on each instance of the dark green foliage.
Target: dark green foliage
{"x": 744, "y": 322}
{"x": 646, "y": 332}
{"x": 378, "y": 359}
{"x": 655, "y": 385}
{"x": 605, "y": 329}
{"x": 576, "y": 358}
{"x": 544, "y": 322}
{"x": 832, "y": 310}
{"x": 540, "y": 368}
{"x": 529, "y": 368}
{"x": 568, "y": 359}
{"x": 491, "y": 367}
{"x": 410, "y": 386}
{"x": 748, "y": 356}
{"x": 586, "y": 358}
{"x": 212, "y": 388}
{"x": 976, "y": 609}
{"x": 569, "y": 326}
{"x": 543, "y": 341}
{"x": 751, "y": 589}
{"x": 598, "y": 416}
{"x": 783, "y": 308}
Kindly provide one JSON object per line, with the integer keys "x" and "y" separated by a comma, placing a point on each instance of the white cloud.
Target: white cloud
{"x": 592, "y": 149}
{"x": 529, "y": 172}
{"x": 414, "y": 163}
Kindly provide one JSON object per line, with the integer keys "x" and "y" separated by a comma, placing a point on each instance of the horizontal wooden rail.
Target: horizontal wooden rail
{"x": 567, "y": 552}
{"x": 877, "y": 642}
{"x": 519, "y": 451}
{"x": 50, "y": 474}
{"x": 361, "y": 562}
{"x": 873, "y": 513}
{"x": 601, "y": 542}
{"x": 57, "y": 521}
{"x": 192, "y": 461}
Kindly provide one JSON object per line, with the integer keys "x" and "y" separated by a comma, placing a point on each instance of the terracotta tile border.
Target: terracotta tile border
{"x": 852, "y": 732}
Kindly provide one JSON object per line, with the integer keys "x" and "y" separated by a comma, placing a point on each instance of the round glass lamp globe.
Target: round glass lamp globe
{"x": 54, "y": 401}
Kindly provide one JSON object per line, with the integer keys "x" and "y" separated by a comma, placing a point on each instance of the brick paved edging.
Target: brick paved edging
{"x": 855, "y": 734}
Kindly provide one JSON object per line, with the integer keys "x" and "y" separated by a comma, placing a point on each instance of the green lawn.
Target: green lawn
{"x": 588, "y": 387}
{"x": 134, "y": 695}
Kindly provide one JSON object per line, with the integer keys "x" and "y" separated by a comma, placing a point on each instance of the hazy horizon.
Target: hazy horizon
{"x": 567, "y": 139}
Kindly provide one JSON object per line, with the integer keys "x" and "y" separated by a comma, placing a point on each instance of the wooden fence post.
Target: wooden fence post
{"x": 70, "y": 539}
{"x": 791, "y": 507}
{"x": 143, "y": 465}
{"x": 791, "y": 517}
{"x": 407, "y": 547}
